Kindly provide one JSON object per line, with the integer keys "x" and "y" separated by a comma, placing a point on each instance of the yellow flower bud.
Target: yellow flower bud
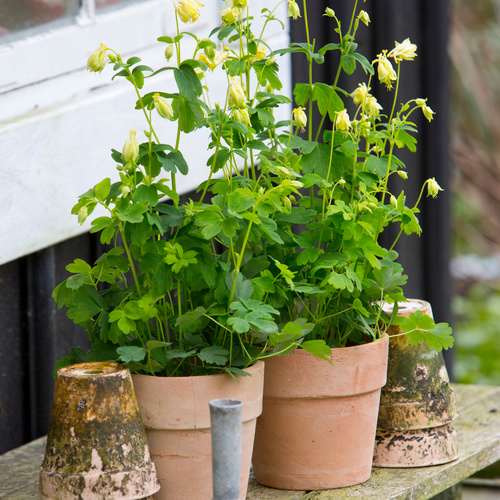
{"x": 300, "y": 118}
{"x": 341, "y": 182}
{"x": 125, "y": 190}
{"x": 239, "y": 4}
{"x": 97, "y": 59}
{"x": 343, "y": 122}
{"x": 402, "y": 174}
{"x": 386, "y": 73}
{"x": 433, "y": 187}
{"x": 188, "y": 10}
{"x": 237, "y": 95}
{"x": 329, "y": 12}
{"x": 242, "y": 116}
{"x": 293, "y": 9}
{"x": 169, "y": 51}
{"x": 163, "y": 107}
{"x": 130, "y": 150}
{"x": 209, "y": 52}
{"x": 394, "y": 202}
{"x": 229, "y": 16}
{"x": 364, "y": 17}
{"x": 404, "y": 51}
{"x": 83, "y": 213}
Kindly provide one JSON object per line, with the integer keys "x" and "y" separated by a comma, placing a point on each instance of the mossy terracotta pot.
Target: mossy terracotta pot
{"x": 417, "y": 405}
{"x": 318, "y": 423}
{"x": 96, "y": 445}
{"x": 176, "y": 414}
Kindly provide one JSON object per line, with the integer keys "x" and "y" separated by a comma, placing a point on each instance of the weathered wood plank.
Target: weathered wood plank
{"x": 478, "y": 429}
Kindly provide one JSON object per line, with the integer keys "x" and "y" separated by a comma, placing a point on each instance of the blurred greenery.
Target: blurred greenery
{"x": 477, "y": 333}
{"x": 474, "y": 48}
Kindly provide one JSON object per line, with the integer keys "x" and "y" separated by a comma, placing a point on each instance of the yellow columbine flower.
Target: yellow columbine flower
{"x": 373, "y": 108}
{"x": 343, "y": 122}
{"x": 364, "y": 17}
{"x": 239, "y": 4}
{"x": 237, "y": 95}
{"x": 97, "y": 59}
{"x": 426, "y": 110}
{"x": 404, "y": 51}
{"x": 261, "y": 53}
{"x": 229, "y": 15}
{"x": 188, "y": 10}
{"x": 220, "y": 55}
{"x": 359, "y": 95}
{"x": 433, "y": 187}
{"x": 242, "y": 116}
{"x": 293, "y": 9}
{"x": 130, "y": 149}
{"x": 386, "y": 73}
{"x": 163, "y": 107}
{"x": 300, "y": 118}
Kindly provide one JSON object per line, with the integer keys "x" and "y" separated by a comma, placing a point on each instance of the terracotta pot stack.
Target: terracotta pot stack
{"x": 417, "y": 404}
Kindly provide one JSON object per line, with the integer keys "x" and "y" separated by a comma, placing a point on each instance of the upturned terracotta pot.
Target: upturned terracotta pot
{"x": 176, "y": 414}
{"x": 417, "y": 405}
{"x": 96, "y": 445}
{"x": 318, "y": 424}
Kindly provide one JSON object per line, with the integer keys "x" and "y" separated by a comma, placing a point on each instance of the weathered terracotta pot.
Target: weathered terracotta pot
{"x": 176, "y": 414}
{"x": 318, "y": 423}
{"x": 417, "y": 405}
{"x": 96, "y": 445}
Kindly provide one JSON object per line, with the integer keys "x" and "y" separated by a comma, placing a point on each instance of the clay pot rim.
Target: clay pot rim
{"x": 251, "y": 369}
{"x": 89, "y": 370}
{"x": 352, "y": 348}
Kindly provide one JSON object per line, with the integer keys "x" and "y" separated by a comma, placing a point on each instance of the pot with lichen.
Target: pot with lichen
{"x": 96, "y": 445}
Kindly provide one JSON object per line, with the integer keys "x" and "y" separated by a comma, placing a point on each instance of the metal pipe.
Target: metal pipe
{"x": 226, "y": 426}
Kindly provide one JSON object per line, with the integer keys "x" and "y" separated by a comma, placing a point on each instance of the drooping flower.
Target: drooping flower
{"x": 329, "y": 12}
{"x": 237, "y": 95}
{"x": 293, "y": 9}
{"x": 364, "y": 17}
{"x": 220, "y": 55}
{"x": 372, "y": 107}
{"x": 261, "y": 53}
{"x": 433, "y": 187}
{"x": 343, "y": 122}
{"x": 386, "y": 73}
{"x": 130, "y": 149}
{"x": 97, "y": 59}
{"x": 239, "y": 4}
{"x": 359, "y": 94}
{"x": 229, "y": 15}
{"x": 163, "y": 107}
{"x": 404, "y": 51}
{"x": 188, "y": 10}
{"x": 426, "y": 110}
{"x": 300, "y": 118}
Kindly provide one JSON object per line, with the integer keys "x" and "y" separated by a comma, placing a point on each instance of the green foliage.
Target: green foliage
{"x": 214, "y": 285}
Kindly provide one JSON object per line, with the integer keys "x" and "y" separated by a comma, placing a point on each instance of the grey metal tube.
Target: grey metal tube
{"x": 226, "y": 426}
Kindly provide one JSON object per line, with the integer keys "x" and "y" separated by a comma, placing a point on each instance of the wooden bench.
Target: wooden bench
{"x": 478, "y": 429}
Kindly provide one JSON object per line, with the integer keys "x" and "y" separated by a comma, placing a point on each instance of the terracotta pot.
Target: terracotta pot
{"x": 318, "y": 423}
{"x": 176, "y": 414}
{"x": 96, "y": 445}
{"x": 417, "y": 405}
